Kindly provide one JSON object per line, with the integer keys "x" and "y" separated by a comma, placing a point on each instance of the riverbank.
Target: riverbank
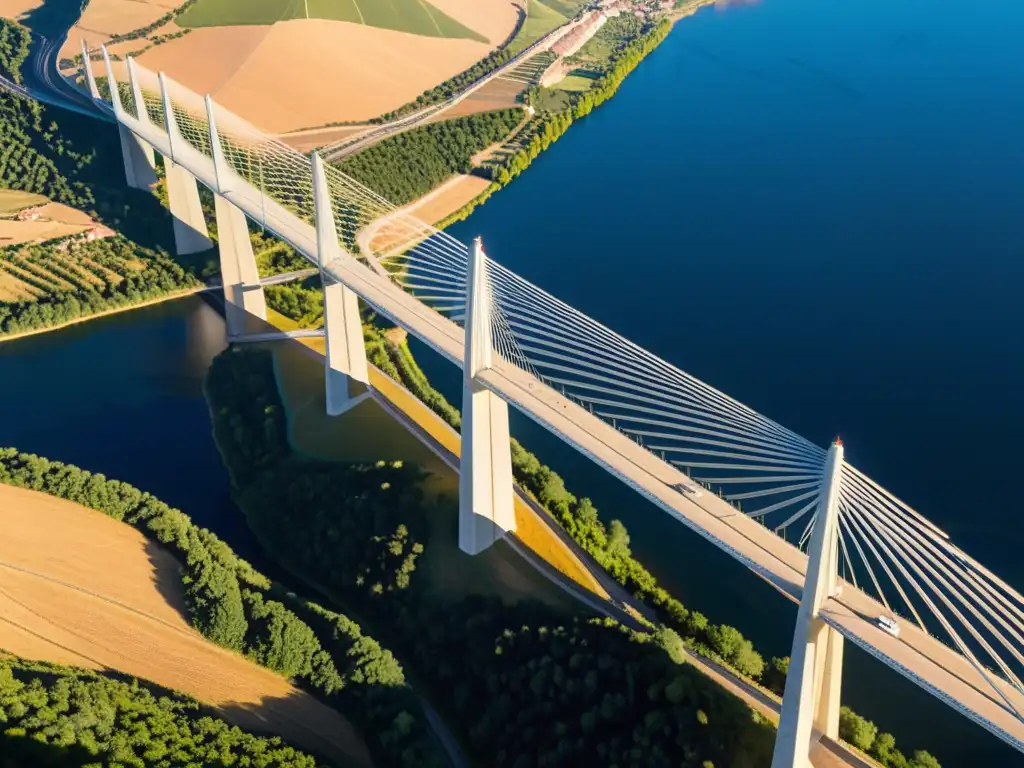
{"x": 543, "y": 130}
{"x": 107, "y": 312}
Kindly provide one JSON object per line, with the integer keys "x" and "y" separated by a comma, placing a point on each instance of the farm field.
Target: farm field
{"x": 348, "y": 61}
{"x": 540, "y": 19}
{"x": 417, "y": 17}
{"x": 361, "y": 72}
{"x": 567, "y": 8}
{"x": 105, "y": 18}
{"x": 55, "y": 220}
{"x": 308, "y": 140}
{"x": 497, "y": 94}
{"x": 14, "y": 200}
{"x": 575, "y": 83}
{"x": 86, "y": 590}
{"x": 15, "y": 9}
{"x": 27, "y": 273}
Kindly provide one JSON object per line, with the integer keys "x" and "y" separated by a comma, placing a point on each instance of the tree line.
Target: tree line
{"x": 64, "y": 717}
{"x": 235, "y": 606}
{"x": 548, "y": 128}
{"x": 407, "y": 166}
{"x": 70, "y": 158}
{"x": 523, "y": 685}
{"x": 302, "y": 302}
{"x": 452, "y": 85}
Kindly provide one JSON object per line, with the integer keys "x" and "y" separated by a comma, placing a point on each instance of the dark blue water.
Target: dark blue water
{"x": 816, "y": 207}
{"x": 122, "y": 395}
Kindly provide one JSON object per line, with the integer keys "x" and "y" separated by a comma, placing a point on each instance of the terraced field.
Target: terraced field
{"x": 30, "y": 273}
{"x": 55, "y": 283}
{"x": 531, "y": 69}
{"x": 415, "y": 16}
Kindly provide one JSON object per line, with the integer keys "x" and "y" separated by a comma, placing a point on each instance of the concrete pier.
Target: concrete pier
{"x": 486, "y": 509}
{"x": 345, "y": 348}
{"x": 243, "y": 293}
{"x": 190, "y": 233}
{"x": 138, "y": 157}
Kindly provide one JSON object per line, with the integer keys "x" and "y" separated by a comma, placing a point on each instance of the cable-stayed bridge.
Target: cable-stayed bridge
{"x": 863, "y": 565}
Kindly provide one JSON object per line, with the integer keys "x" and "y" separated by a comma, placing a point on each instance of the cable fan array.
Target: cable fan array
{"x": 772, "y": 473}
{"x": 889, "y": 550}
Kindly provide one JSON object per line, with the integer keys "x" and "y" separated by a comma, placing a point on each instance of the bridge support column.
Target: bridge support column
{"x": 138, "y": 157}
{"x": 139, "y": 160}
{"x": 828, "y": 675}
{"x": 190, "y": 233}
{"x": 811, "y": 698}
{"x": 486, "y": 508}
{"x": 243, "y": 293}
{"x": 345, "y": 349}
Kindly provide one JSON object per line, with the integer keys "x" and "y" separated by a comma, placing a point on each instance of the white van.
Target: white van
{"x": 889, "y": 625}
{"x": 688, "y": 490}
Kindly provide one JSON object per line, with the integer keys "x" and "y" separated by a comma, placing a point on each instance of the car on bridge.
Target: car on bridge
{"x": 688, "y": 490}
{"x": 889, "y": 625}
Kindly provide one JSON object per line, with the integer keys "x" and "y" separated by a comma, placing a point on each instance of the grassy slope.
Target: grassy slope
{"x": 540, "y": 19}
{"x": 415, "y": 16}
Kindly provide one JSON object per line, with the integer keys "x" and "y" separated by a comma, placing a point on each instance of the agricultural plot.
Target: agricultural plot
{"x": 14, "y": 200}
{"x": 540, "y": 19}
{"x": 575, "y": 83}
{"x": 417, "y": 17}
{"x": 62, "y": 281}
{"x": 29, "y": 273}
{"x": 531, "y": 70}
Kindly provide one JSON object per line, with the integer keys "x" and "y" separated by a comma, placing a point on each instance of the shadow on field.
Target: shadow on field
{"x": 167, "y": 577}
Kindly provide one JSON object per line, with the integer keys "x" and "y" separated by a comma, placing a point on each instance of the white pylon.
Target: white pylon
{"x": 345, "y": 349}
{"x": 486, "y": 508}
{"x": 139, "y": 160}
{"x": 815, "y": 664}
{"x": 243, "y": 292}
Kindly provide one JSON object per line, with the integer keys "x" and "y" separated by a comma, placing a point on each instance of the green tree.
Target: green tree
{"x": 857, "y": 730}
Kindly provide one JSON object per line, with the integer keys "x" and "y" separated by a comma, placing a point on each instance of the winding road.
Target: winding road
{"x": 43, "y": 81}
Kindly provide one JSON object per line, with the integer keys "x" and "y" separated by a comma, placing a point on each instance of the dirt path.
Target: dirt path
{"x": 79, "y": 588}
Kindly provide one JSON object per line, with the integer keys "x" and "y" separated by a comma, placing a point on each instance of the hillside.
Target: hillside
{"x": 287, "y": 65}
{"x": 80, "y": 588}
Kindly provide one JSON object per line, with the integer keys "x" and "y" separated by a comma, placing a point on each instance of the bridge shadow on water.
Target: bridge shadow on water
{"x": 375, "y": 430}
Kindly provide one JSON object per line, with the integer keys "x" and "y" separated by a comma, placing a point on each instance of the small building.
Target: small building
{"x": 98, "y": 233}
{"x": 30, "y": 214}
